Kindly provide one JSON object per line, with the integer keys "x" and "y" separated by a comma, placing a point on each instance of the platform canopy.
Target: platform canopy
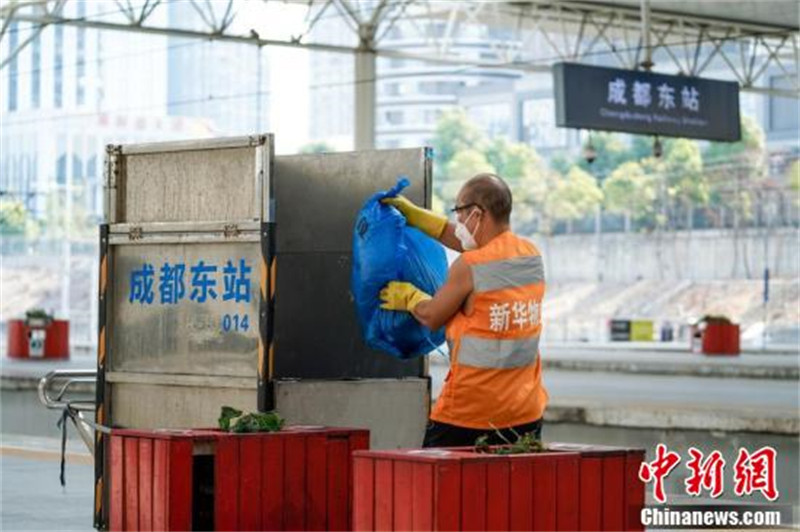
{"x": 749, "y": 42}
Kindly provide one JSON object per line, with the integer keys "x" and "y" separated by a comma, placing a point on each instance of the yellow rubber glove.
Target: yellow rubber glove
{"x": 428, "y": 222}
{"x": 399, "y": 295}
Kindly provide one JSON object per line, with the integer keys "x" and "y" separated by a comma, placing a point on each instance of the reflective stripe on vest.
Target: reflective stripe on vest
{"x": 495, "y": 353}
{"x": 507, "y": 273}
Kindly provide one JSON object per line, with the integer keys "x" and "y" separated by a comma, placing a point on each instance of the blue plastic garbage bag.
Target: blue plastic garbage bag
{"x": 386, "y": 249}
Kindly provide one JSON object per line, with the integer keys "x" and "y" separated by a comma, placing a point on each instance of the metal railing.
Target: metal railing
{"x": 53, "y": 393}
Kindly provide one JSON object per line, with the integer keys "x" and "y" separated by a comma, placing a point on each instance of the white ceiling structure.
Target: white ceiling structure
{"x": 746, "y": 39}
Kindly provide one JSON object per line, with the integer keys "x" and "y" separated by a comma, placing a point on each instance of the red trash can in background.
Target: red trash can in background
{"x": 721, "y": 339}
{"x": 38, "y": 338}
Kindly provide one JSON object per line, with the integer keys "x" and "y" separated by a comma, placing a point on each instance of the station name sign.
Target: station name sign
{"x": 640, "y": 102}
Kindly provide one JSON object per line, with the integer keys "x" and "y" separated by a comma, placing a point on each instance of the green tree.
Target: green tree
{"x": 681, "y": 183}
{"x": 561, "y": 162}
{"x": 462, "y": 166}
{"x": 438, "y": 204}
{"x": 513, "y": 160}
{"x": 523, "y": 169}
{"x": 750, "y": 149}
{"x": 573, "y": 197}
{"x": 60, "y": 222}
{"x": 611, "y": 151}
{"x": 631, "y": 191}
{"x": 794, "y": 180}
{"x": 458, "y": 148}
{"x": 317, "y": 147}
{"x": 13, "y": 217}
{"x": 683, "y": 166}
{"x": 737, "y": 170}
{"x": 654, "y": 168}
{"x": 455, "y": 133}
{"x": 467, "y": 163}
{"x": 530, "y": 198}
{"x": 641, "y": 147}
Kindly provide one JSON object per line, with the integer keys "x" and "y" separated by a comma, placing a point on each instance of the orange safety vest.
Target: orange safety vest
{"x": 495, "y": 373}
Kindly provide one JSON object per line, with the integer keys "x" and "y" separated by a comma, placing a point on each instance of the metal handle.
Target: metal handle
{"x": 66, "y": 377}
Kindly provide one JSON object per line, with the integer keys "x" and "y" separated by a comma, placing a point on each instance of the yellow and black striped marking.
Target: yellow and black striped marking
{"x": 266, "y": 339}
{"x": 100, "y": 495}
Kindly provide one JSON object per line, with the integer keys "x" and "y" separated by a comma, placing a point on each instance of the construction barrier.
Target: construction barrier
{"x": 295, "y": 479}
{"x": 569, "y": 487}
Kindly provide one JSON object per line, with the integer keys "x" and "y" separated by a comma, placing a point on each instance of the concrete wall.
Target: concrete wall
{"x": 695, "y": 255}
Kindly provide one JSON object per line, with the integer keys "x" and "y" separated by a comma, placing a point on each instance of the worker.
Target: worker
{"x": 491, "y": 306}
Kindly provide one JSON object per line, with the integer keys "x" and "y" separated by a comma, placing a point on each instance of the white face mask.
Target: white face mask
{"x": 463, "y": 235}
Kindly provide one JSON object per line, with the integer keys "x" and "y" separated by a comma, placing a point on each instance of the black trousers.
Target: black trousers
{"x": 446, "y": 435}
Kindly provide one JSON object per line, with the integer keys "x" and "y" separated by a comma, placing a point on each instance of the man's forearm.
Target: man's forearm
{"x": 448, "y": 238}
{"x": 422, "y": 313}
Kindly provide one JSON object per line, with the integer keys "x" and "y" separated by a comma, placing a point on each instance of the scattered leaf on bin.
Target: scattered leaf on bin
{"x": 38, "y": 314}
{"x": 228, "y": 413}
{"x": 482, "y": 444}
{"x": 714, "y": 319}
{"x": 232, "y": 420}
{"x": 525, "y": 444}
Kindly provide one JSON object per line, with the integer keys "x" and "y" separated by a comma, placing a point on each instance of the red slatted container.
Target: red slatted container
{"x": 56, "y": 339}
{"x": 296, "y": 479}
{"x": 570, "y": 487}
{"x": 721, "y": 339}
{"x": 457, "y": 489}
{"x": 611, "y": 494}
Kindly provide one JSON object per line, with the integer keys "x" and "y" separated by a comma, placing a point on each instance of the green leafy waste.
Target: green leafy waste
{"x": 525, "y": 444}
{"x": 233, "y": 420}
{"x": 38, "y": 314}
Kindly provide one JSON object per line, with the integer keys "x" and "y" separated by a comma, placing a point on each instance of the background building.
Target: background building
{"x": 222, "y": 83}
{"x": 410, "y": 95}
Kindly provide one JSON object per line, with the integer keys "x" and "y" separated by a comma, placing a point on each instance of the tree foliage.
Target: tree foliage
{"x": 455, "y": 133}
{"x": 683, "y": 172}
{"x": 610, "y": 150}
{"x": 630, "y": 190}
{"x": 13, "y": 217}
{"x": 736, "y": 168}
{"x": 575, "y": 195}
{"x": 317, "y": 147}
{"x": 750, "y": 150}
{"x": 462, "y": 150}
{"x": 794, "y": 179}
{"x": 624, "y": 178}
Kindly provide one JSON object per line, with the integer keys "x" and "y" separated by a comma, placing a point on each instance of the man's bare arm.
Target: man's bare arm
{"x": 448, "y": 299}
{"x": 448, "y": 238}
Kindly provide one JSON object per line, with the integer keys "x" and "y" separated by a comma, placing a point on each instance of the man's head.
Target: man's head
{"x": 483, "y": 205}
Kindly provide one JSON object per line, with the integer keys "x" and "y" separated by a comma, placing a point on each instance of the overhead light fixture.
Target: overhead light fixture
{"x": 589, "y": 152}
{"x": 658, "y": 149}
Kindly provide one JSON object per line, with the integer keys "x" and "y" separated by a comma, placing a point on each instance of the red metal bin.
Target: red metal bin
{"x": 570, "y": 487}
{"x": 48, "y": 339}
{"x": 721, "y": 339}
{"x": 295, "y": 479}
{"x": 611, "y": 494}
{"x": 441, "y": 489}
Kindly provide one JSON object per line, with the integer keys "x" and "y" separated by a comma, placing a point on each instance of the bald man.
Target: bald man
{"x": 490, "y": 306}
